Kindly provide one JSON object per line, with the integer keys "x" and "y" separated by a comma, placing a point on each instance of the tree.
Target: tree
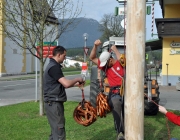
{"x": 110, "y": 25}
{"x": 28, "y": 22}
{"x": 77, "y": 65}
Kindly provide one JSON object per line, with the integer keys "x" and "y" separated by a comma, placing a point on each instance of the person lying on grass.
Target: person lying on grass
{"x": 171, "y": 116}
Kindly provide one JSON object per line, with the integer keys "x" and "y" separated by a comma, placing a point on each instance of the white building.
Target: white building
{"x": 15, "y": 59}
{"x": 68, "y": 62}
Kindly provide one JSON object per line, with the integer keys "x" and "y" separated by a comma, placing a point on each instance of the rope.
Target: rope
{"x": 84, "y": 114}
{"x": 102, "y": 101}
{"x": 167, "y": 125}
{"x": 152, "y": 26}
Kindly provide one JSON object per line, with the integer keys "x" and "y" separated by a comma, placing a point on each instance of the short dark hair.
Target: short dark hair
{"x": 58, "y": 49}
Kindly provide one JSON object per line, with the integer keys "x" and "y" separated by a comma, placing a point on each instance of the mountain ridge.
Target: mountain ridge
{"x": 74, "y": 38}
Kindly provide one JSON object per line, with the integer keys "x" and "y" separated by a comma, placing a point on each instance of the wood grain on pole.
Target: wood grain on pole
{"x": 135, "y": 56}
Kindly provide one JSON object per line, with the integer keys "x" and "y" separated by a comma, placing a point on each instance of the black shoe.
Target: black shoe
{"x": 120, "y": 136}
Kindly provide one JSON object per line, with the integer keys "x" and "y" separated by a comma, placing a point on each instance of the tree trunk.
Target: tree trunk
{"x": 41, "y": 102}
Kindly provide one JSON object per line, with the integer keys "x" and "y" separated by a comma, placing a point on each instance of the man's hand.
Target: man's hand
{"x": 162, "y": 109}
{"x": 113, "y": 48}
{"x": 81, "y": 83}
{"x": 81, "y": 80}
{"x": 97, "y": 43}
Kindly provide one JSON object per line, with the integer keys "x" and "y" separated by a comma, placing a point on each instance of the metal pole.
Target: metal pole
{"x": 85, "y": 38}
{"x": 36, "y": 81}
{"x": 167, "y": 74}
{"x": 134, "y": 92}
{"x": 156, "y": 72}
{"x": 150, "y": 72}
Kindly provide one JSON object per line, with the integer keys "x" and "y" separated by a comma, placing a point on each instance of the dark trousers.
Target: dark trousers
{"x": 56, "y": 119}
{"x": 116, "y": 104}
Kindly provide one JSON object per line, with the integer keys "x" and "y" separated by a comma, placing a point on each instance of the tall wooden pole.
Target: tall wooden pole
{"x": 135, "y": 56}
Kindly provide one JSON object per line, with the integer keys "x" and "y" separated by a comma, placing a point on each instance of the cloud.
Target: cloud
{"x": 96, "y": 9}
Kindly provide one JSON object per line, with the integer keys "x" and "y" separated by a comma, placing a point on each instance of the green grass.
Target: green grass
{"x": 22, "y": 122}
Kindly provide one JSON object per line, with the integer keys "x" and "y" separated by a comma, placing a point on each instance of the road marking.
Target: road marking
{"x": 17, "y": 85}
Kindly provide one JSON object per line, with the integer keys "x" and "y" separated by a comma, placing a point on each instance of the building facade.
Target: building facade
{"x": 168, "y": 29}
{"x": 13, "y": 58}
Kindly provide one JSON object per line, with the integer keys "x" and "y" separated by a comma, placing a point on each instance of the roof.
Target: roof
{"x": 39, "y": 7}
{"x": 155, "y": 44}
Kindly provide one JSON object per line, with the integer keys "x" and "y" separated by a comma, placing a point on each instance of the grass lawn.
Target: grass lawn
{"x": 22, "y": 122}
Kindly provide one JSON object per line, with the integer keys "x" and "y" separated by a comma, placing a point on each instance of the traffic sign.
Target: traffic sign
{"x": 86, "y": 49}
{"x": 47, "y": 44}
{"x": 47, "y": 51}
{"x": 123, "y": 23}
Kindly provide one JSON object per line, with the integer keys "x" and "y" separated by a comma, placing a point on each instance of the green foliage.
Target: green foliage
{"x": 79, "y": 51}
{"x": 22, "y": 122}
{"x": 77, "y": 65}
{"x": 111, "y": 26}
{"x": 154, "y": 56}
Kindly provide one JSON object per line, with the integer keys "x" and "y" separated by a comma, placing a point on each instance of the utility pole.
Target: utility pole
{"x": 135, "y": 51}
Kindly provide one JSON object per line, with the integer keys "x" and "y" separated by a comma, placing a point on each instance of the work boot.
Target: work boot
{"x": 120, "y": 136}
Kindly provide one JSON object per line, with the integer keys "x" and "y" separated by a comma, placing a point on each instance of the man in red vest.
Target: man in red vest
{"x": 114, "y": 73}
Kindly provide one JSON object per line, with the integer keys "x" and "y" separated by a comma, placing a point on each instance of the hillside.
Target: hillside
{"x": 74, "y": 38}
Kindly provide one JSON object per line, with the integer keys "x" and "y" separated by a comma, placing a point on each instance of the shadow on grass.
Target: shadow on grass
{"x": 106, "y": 134}
{"x": 156, "y": 128}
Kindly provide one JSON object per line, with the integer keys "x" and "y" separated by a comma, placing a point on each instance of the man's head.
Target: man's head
{"x": 59, "y": 54}
{"x": 106, "y": 59}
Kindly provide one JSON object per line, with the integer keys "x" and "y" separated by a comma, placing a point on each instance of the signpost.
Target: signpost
{"x": 123, "y": 23}
{"x": 84, "y": 70}
{"x": 175, "y": 44}
{"x": 85, "y": 35}
{"x": 47, "y": 52}
{"x": 86, "y": 49}
{"x": 172, "y": 52}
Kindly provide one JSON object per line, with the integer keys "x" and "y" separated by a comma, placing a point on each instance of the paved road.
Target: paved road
{"x": 12, "y": 92}
{"x": 169, "y": 97}
{"x": 24, "y": 90}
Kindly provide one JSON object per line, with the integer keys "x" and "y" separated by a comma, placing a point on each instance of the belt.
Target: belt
{"x": 115, "y": 89}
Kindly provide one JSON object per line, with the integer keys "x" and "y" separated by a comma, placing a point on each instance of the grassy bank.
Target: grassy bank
{"x": 22, "y": 122}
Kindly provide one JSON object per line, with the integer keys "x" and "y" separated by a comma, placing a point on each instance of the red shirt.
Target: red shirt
{"x": 113, "y": 78}
{"x": 173, "y": 118}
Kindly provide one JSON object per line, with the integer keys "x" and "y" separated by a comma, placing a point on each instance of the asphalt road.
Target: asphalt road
{"x": 25, "y": 90}
{"x": 12, "y": 92}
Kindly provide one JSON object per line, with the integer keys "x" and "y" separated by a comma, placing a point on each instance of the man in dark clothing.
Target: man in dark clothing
{"x": 55, "y": 94}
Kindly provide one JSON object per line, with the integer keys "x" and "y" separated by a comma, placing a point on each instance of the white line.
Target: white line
{"x": 17, "y": 85}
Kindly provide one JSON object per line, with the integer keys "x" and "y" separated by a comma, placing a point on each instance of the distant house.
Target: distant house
{"x": 13, "y": 59}
{"x": 68, "y": 63}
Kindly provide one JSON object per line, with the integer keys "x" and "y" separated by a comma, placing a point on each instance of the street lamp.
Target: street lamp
{"x": 167, "y": 74}
{"x": 150, "y": 68}
{"x": 85, "y": 36}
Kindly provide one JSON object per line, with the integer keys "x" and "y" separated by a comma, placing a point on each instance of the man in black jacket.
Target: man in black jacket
{"x": 55, "y": 94}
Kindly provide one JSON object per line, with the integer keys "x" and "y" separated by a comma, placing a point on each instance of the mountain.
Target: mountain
{"x": 74, "y": 38}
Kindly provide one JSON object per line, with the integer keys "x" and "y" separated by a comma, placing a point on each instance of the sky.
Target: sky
{"x": 95, "y": 9}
